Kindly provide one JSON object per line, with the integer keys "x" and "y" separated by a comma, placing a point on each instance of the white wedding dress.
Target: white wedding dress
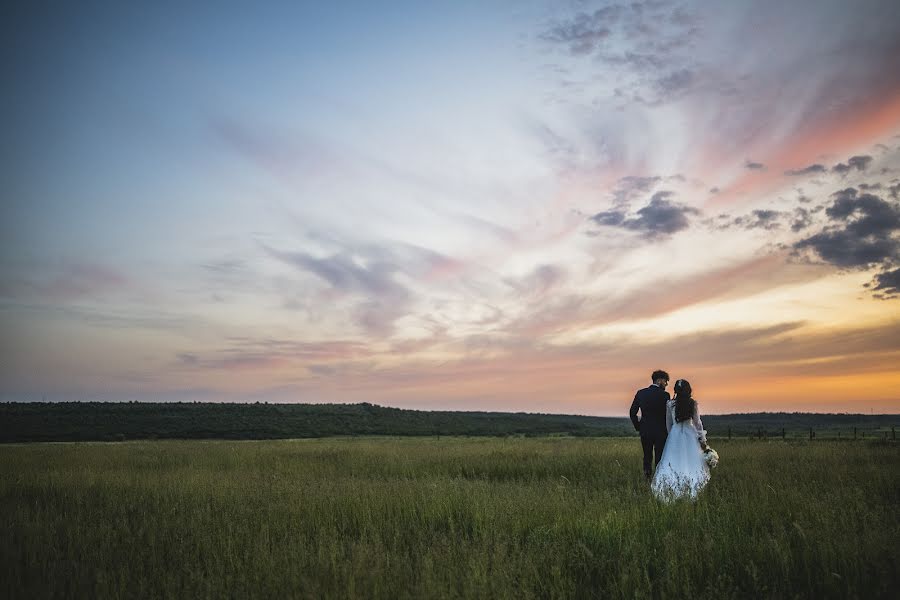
{"x": 682, "y": 471}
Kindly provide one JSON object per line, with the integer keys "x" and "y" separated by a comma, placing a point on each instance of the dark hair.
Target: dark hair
{"x": 684, "y": 403}
{"x": 659, "y": 375}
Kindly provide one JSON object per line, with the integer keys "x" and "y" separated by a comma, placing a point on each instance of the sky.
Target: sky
{"x": 504, "y": 205}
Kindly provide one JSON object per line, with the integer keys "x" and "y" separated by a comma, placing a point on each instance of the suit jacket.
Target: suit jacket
{"x": 651, "y": 402}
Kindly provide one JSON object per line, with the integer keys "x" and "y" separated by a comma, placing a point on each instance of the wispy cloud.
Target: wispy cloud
{"x": 65, "y": 281}
{"x": 810, "y": 170}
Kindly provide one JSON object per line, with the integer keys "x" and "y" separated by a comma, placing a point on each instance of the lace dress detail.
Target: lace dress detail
{"x": 681, "y": 472}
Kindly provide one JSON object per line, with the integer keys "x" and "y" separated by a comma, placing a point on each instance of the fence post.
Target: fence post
{"x": 729, "y": 433}
{"x": 854, "y": 433}
{"x": 782, "y": 433}
{"x": 893, "y": 434}
{"x": 810, "y": 433}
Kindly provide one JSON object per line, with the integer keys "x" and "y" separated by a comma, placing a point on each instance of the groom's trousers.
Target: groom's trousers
{"x": 652, "y": 444}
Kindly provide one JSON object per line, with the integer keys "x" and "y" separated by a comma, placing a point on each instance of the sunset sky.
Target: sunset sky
{"x": 518, "y": 206}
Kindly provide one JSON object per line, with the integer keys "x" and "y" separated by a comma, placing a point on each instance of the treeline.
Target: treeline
{"x": 117, "y": 421}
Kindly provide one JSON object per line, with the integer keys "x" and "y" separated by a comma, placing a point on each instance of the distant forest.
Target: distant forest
{"x": 119, "y": 421}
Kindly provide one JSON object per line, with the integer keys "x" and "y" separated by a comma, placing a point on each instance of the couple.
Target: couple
{"x": 671, "y": 429}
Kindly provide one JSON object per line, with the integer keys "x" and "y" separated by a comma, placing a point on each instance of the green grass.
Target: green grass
{"x": 448, "y": 517}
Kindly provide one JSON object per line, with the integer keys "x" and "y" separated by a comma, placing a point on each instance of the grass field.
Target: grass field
{"x": 447, "y": 517}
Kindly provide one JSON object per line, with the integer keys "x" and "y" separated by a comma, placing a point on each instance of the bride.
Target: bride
{"x": 682, "y": 471}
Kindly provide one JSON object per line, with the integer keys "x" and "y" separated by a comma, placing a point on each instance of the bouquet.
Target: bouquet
{"x": 709, "y": 455}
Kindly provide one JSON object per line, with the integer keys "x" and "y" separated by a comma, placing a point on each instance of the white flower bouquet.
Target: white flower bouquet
{"x": 711, "y": 457}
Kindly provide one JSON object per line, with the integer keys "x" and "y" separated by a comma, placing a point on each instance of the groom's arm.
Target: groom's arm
{"x": 633, "y": 414}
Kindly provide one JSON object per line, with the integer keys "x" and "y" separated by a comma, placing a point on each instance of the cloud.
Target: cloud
{"x": 859, "y": 163}
{"x": 675, "y": 83}
{"x": 810, "y": 170}
{"x": 764, "y": 219}
{"x": 262, "y": 353}
{"x": 894, "y": 191}
{"x": 887, "y": 284}
{"x": 384, "y": 299}
{"x": 843, "y": 249}
{"x": 540, "y": 281}
{"x": 802, "y": 219}
{"x": 864, "y": 214}
{"x": 633, "y": 186}
{"x": 757, "y": 219}
{"x": 583, "y": 32}
{"x": 610, "y": 218}
{"x": 754, "y": 166}
{"x": 641, "y": 48}
{"x": 66, "y": 282}
{"x": 660, "y": 216}
{"x": 379, "y": 278}
{"x": 862, "y": 232}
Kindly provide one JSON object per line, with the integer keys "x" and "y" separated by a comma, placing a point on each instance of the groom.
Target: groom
{"x": 651, "y": 402}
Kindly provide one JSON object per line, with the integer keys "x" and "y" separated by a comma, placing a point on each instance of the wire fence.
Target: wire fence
{"x": 810, "y": 433}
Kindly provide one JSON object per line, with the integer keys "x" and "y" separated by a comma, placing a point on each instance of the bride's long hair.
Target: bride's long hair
{"x": 684, "y": 403}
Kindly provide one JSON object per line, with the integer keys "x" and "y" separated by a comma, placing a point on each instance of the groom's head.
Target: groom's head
{"x": 660, "y": 378}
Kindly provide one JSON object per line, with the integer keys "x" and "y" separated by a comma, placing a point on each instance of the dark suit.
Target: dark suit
{"x": 651, "y": 402}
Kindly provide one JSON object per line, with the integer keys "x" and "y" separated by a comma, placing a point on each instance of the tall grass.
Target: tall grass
{"x": 448, "y": 517}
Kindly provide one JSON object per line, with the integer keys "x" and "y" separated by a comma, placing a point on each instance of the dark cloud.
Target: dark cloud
{"x": 864, "y": 214}
{"x": 894, "y": 191}
{"x": 887, "y": 284}
{"x": 754, "y": 166}
{"x": 860, "y": 163}
{"x": 660, "y": 216}
{"x": 802, "y": 219}
{"x": 810, "y": 170}
{"x": 764, "y": 219}
{"x": 757, "y": 219}
{"x": 843, "y": 249}
{"x": 862, "y": 233}
{"x": 610, "y": 218}
{"x": 867, "y": 187}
